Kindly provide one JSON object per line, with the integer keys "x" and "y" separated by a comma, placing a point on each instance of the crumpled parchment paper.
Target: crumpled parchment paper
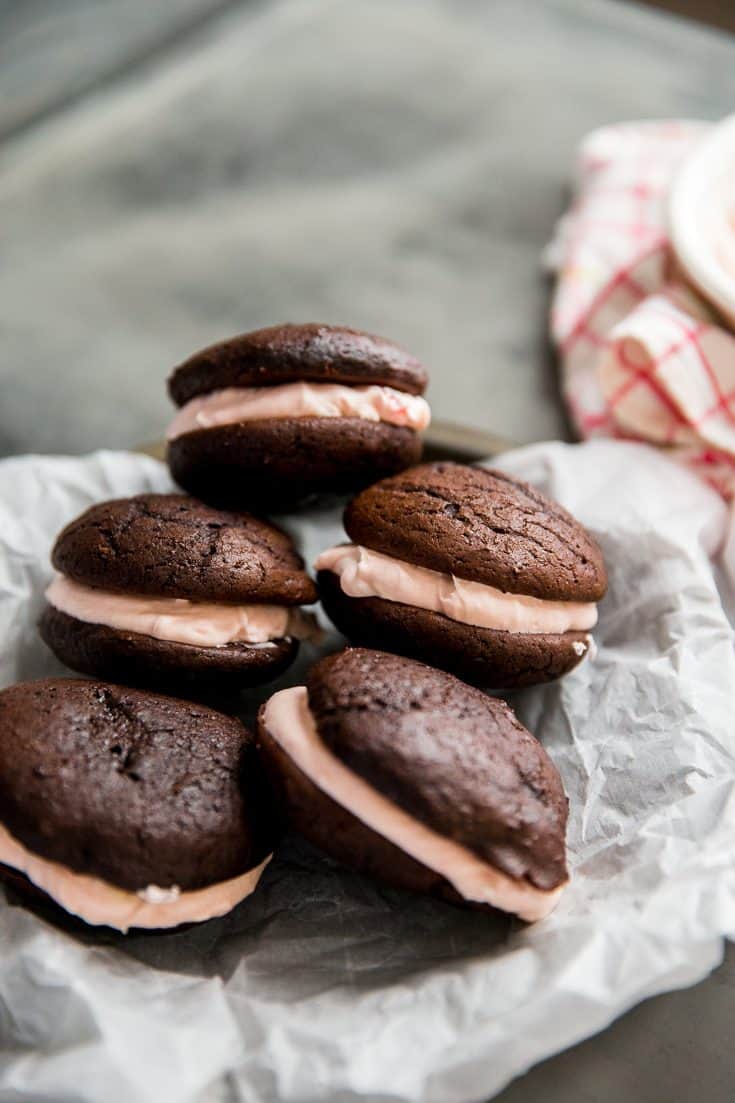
{"x": 327, "y": 987}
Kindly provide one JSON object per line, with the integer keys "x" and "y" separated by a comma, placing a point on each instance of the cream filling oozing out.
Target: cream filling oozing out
{"x": 366, "y": 573}
{"x": 178, "y": 620}
{"x": 289, "y": 721}
{"x": 101, "y": 904}
{"x": 295, "y": 400}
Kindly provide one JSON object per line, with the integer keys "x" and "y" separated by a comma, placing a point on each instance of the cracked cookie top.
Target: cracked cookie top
{"x": 170, "y": 545}
{"x": 480, "y": 525}
{"x": 130, "y": 787}
{"x": 289, "y": 353}
{"x": 455, "y": 759}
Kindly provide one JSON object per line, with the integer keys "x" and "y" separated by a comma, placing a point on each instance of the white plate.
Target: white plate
{"x": 702, "y": 216}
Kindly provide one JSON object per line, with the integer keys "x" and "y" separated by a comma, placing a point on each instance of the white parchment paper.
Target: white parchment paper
{"x": 327, "y": 987}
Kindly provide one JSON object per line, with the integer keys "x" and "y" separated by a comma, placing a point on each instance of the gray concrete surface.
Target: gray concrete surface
{"x": 175, "y": 172}
{"x": 395, "y": 165}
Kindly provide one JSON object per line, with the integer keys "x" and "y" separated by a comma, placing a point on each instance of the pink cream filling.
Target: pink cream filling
{"x": 235, "y": 404}
{"x": 178, "y": 620}
{"x": 102, "y": 904}
{"x": 290, "y": 722}
{"x": 365, "y": 573}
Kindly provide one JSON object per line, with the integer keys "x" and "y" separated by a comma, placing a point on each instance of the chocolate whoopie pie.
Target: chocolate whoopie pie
{"x": 468, "y": 569}
{"x": 126, "y": 808}
{"x": 273, "y": 416}
{"x": 408, "y": 774}
{"x": 160, "y": 590}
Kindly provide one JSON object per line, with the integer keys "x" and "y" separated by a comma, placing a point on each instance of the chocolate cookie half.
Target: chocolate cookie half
{"x": 126, "y": 808}
{"x": 160, "y": 590}
{"x": 408, "y": 774}
{"x": 271, "y": 417}
{"x": 467, "y": 569}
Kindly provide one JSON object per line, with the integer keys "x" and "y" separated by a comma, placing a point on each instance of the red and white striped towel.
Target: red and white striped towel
{"x": 643, "y": 356}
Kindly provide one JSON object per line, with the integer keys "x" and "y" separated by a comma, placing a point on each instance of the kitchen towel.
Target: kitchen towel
{"x": 643, "y": 356}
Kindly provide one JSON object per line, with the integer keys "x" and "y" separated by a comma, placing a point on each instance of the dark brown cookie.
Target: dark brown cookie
{"x": 281, "y": 462}
{"x": 130, "y": 658}
{"x": 480, "y": 525}
{"x": 130, "y": 787}
{"x": 455, "y": 760}
{"x": 170, "y": 545}
{"x": 481, "y": 656}
{"x": 274, "y": 463}
{"x": 289, "y": 353}
{"x": 489, "y": 529}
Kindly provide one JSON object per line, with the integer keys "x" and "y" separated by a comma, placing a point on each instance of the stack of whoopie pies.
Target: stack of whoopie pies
{"x": 132, "y": 808}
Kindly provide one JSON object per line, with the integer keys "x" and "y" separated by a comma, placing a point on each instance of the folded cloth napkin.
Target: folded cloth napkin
{"x": 643, "y": 356}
